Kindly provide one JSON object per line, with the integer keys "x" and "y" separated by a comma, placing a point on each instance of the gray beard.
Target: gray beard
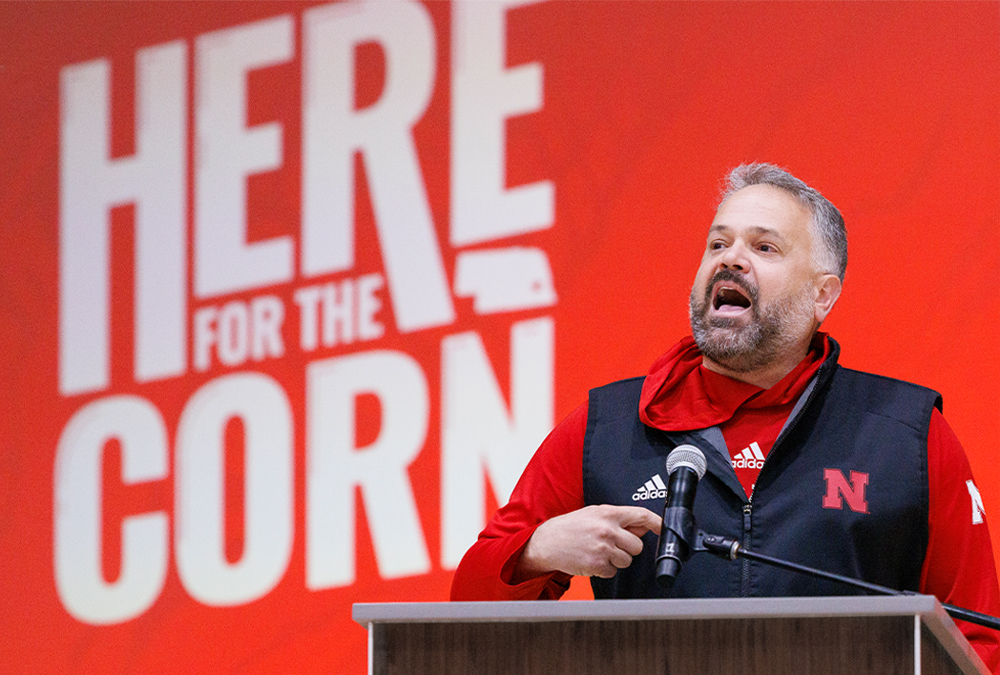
{"x": 771, "y": 333}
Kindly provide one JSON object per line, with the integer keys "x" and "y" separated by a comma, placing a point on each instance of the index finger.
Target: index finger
{"x": 638, "y": 520}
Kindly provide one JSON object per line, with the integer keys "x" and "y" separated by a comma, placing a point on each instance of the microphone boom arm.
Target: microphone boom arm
{"x": 731, "y": 549}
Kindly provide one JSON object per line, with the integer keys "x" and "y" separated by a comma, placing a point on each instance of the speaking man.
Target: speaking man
{"x": 828, "y": 467}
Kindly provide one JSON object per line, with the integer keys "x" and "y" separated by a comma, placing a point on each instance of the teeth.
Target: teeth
{"x": 729, "y": 295}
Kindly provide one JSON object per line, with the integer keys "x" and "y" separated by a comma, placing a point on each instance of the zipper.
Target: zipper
{"x": 748, "y": 507}
{"x": 802, "y": 411}
{"x": 784, "y": 434}
{"x": 745, "y": 581}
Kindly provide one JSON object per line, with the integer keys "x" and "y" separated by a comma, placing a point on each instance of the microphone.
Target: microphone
{"x": 686, "y": 465}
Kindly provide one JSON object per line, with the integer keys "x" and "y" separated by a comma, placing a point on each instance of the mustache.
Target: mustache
{"x": 736, "y": 279}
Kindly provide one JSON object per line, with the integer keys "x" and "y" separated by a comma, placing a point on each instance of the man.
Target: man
{"x": 845, "y": 471}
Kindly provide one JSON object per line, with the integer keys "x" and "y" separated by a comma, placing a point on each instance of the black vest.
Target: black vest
{"x": 844, "y": 489}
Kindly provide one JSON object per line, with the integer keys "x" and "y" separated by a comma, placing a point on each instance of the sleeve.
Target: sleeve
{"x": 959, "y": 568}
{"x": 551, "y": 485}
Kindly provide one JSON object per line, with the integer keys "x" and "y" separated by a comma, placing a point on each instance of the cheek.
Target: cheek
{"x": 783, "y": 281}
{"x": 698, "y": 287}
{"x": 772, "y": 287}
{"x": 705, "y": 271}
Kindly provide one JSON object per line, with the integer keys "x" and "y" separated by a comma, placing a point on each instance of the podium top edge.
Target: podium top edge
{"x": 925, "y": 609}
{"x": 624, "y": 610}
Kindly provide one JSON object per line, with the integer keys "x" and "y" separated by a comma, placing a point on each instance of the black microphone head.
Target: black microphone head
{"x": 689, "y": 456}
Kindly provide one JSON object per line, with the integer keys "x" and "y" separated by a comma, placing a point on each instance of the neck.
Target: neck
{"x": 768, "y": 375}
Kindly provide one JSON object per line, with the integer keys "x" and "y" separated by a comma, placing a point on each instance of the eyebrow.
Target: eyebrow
{"x": 756, "y": 230}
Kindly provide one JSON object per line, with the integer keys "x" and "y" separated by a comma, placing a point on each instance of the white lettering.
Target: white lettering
{"x": 338, "y": 313}
{"x": 333, "y": 130}
{"x": 267, "y": 314}
{"x": 227, "y": 152}
{"x": 204, "y": 337}
{"x": 335, "y": 466}
{"x": 262, "y": 406}
{"x": 90, "y": 183}
{"x": 142, "y": 436}
{"x": 978, "y": 510}
{"x": 485, "y": 95}
{"x": 481, "y": 435}
{"x": 478, "y": 432}
{"x": 307, "y": 299}
{"x": 233, "y": 341}
{"x": 368, "y": 306}
{"x": 239, "y": 331}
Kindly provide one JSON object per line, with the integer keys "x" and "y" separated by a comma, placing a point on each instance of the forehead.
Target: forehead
{"x": 764, "y": 208}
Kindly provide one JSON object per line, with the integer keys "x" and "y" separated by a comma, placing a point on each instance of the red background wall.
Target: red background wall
{"x": 891, "y": 109}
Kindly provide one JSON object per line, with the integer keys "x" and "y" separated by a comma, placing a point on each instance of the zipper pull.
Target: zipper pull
{"x": 747, "y": 509}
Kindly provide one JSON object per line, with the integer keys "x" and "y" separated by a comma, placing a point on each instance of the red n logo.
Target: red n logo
{"x": 839, "y": 488}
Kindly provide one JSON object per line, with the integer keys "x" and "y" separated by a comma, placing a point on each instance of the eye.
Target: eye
{"x": 766, "y": 248}
{"x": 715, "y": 245}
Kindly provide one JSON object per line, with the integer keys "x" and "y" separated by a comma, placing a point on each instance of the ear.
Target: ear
{"x": 827, "y": 291}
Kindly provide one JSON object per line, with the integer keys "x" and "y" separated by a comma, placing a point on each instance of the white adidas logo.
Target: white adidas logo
{"x": 749, "y": 458}
{"x": 654, "y": 488}
{"x": 978, "y": 510}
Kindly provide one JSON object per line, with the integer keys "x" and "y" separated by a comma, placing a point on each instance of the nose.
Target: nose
{"x": 734, "y": 258}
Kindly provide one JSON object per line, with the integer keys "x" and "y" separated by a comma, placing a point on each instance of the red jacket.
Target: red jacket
{"x": 958, "y": 566}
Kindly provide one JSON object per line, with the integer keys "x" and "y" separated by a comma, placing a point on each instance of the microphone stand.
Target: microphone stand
{"x": 731, "y": 549}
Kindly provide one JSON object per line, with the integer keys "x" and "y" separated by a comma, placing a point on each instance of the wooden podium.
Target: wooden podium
{"x": 744, "y": 636}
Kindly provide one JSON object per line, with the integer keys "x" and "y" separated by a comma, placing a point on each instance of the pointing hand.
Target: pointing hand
{"x": 595, "y": 541}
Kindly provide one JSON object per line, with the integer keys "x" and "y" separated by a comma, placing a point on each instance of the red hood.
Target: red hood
{"x": 680, "y": 394}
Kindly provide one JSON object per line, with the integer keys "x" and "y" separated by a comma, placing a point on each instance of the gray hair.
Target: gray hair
{"x": 828, "y": 224}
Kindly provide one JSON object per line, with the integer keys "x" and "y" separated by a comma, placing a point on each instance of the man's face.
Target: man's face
{"x": 754, "y": 298}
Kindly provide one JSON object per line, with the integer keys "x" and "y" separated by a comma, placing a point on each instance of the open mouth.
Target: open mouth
{"x": 729, "y": 297}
